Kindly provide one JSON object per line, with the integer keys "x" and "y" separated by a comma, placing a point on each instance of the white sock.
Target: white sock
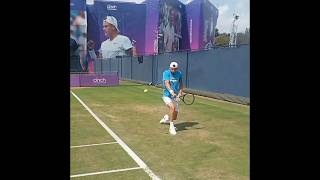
{"x": 171, "y": 123}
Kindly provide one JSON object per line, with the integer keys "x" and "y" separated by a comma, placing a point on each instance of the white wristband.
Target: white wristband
{"x": 171, "y": 91}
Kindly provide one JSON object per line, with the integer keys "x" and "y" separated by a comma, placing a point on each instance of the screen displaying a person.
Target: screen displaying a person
{"x": 210, "y": 19}
{"x": 116, "y": 45}
{"x": 78, "y": 26}
{"x": 169, "y": 33}
{"x": 169, "y": 28}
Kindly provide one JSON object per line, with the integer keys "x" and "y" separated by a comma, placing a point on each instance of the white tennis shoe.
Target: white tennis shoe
{"x": 165, "y": 119}
{"x": 172, "y": 129}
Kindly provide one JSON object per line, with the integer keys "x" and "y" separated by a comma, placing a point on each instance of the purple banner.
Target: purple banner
{"x": 152, "y": 31}
{"x": 74, "y": 80}
{"x": 202, "y": 20}
{"x": 94, "y": 80}
{"x": 193, "y": 16}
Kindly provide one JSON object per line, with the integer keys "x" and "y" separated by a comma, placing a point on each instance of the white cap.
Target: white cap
{"x": 173, "y": 65}
{"x": 112, "y": 20}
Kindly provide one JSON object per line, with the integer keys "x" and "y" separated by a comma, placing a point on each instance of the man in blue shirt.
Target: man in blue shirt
{"x": 172, "y": 89}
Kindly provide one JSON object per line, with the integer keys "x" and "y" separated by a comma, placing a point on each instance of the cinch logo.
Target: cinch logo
{"x": 111, "y": 7}
{"x": 96, "y": 80}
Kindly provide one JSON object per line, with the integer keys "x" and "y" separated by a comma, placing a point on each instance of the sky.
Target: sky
{"x": 226, "y": 9}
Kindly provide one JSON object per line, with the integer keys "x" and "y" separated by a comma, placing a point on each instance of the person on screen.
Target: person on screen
{"x": 116, "y": 45}
{"x": 91, "y": 55}
{"x": 172, "y": 89}
{"x": 169, "y": 33}
{"x": 75, "y": 65}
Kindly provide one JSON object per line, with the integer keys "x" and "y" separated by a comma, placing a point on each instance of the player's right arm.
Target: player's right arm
{"x": 166, "y": 79}
{"x": 170, "y": 89}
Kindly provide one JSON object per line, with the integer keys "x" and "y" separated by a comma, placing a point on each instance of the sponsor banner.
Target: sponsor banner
{"x": 74, "y": 80}
{"x": 94, "y": 80}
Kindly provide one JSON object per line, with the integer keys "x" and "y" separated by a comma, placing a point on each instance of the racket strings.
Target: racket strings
{"x": 188, "y": 98}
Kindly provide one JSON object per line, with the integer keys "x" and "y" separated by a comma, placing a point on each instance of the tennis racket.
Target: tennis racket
{"x": 187, "y": 98}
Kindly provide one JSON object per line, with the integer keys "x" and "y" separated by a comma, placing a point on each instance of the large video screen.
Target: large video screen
{"x": 173, "y": 31}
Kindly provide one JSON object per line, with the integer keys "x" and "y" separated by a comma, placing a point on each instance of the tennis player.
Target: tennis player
{"x": 172, "y": 89}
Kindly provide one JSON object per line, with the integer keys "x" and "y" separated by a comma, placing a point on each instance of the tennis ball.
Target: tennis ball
{"x": 146, "y": 90}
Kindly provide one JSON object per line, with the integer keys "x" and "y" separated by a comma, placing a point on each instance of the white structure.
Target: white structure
{"x": 90, "y": 2}
{"x": 233, "y": 34}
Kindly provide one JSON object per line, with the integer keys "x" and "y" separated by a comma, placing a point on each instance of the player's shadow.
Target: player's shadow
{"x": 186, "y": 126}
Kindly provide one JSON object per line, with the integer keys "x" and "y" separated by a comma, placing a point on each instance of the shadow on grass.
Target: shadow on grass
{"x": 186, "y": 126}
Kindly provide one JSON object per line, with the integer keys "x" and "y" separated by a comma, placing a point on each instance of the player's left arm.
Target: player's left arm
{"x": 181, "y": 87}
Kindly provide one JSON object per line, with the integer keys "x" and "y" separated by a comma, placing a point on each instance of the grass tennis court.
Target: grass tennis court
{"x": 212, "y": 140}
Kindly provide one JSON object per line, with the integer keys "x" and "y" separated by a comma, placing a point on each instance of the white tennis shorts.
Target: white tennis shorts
{"x": 168, "y": 100}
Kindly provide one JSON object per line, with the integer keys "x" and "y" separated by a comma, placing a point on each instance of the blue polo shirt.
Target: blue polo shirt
{"x": 174, "y": 79}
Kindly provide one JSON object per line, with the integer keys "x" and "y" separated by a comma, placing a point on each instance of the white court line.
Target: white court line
{"x": 87, "y": 145}
{"x": 121, "y": 143}
{"x": 104, "y": 172}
